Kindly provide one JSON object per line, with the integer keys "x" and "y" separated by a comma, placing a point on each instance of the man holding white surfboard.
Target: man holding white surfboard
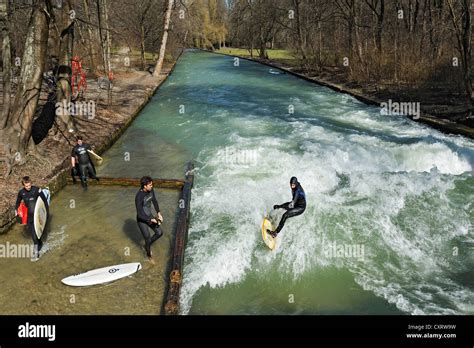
{"x": 80, "y": 155}
{"x": 29, "y": 194}
{"x": 145, "y": 201}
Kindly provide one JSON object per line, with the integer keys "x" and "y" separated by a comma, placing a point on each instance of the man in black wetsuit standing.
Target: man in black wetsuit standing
{"x": 29, "y": 195}
{"x": 80, "y": 156}
{"x": 295, "y": 207}
{"x": 144, "y": 200}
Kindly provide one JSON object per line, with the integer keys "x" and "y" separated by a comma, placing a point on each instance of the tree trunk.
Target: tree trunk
{"x": 463, "y": 34}
{"x": 466, "y": 44}
{"x": 380, "y": 18}
{"x": 396, "y": 43}
{"x": 320, "y": 50}
{"x": 7, "y": 63}
{"x": 108, "y": 39}
{"x": 415, "y": 15}
{"x": 102, "y": 15}
{"x": 67, "y": 36}
{"x": 185, "y": 38}
{"x": 142, "y": 46}
{"x": 357, "y": 43}
{"x": 161, "y": 58}
{"x": 350, "y": 28}
{"x": 64, "y": 84}
{"x": 90, "y": 36}
{"x": 101, "y": 37}
{"x": 29, "y": 86}
{"x": 296, "y": 3}
{"x": 263, "y": 50}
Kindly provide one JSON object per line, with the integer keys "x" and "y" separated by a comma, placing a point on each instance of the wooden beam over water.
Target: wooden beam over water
{"x": 172, "y": 299}
{"x": 159, "y": 183}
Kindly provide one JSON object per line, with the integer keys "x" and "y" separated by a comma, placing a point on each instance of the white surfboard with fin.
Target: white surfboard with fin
{"x": 103, "y": 275}
{"x": 40, "y": 216}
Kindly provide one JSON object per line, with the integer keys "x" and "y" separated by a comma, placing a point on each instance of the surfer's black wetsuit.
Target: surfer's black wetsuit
{"x": 143, "y": 202}
{"x": 29, "y": 198}
{"x": 297, "y": 204}
{"x": 85, "y": 165}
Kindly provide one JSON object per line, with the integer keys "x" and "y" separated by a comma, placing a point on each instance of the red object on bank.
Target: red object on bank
{"x": 78, "y": 78}
{"x": 22, "y": 213}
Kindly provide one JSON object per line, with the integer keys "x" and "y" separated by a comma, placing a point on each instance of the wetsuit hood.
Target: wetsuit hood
{"x": 294, "y": 180}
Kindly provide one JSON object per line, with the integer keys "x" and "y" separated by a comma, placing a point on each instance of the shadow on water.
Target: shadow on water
{"x": 130, "y": 229}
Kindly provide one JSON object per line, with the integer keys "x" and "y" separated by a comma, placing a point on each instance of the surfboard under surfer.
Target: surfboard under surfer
{"x": 144, "y": 200}
{"x": 293, "y": 208}
{"x": 81, "y": 163}
{"x": 29, "y": 195}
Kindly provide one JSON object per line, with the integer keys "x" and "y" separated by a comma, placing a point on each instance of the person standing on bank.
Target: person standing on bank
{"x": 146, "y": 219}
{"x": 29, "y": 195}
{"x": 80, "y": 156}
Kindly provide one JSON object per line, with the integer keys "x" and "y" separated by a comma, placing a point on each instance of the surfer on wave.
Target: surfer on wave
{"x": 293, "y": 208}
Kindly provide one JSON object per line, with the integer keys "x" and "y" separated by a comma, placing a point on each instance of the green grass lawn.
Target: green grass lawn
{"x": 136, "y": 53}
{"x": 272, "y": 54}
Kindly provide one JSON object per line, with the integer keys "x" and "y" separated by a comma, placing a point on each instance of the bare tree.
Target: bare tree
{"x": 166, "y": 26}
{"x": 90, "y": 34}
{"x": 7, "y": 60}
{"x": 138, "y": 24}
{"x": 462, "y": 26}
{"x": 19, "y": 124}
{"x": 378, "y": 9}
{"x": 67, "y": 33}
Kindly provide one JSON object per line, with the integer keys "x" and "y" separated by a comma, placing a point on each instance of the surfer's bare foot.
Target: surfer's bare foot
{"x": 151, "y": 260}
{"x": 272, "y": 233}
{"x": 148, "y": 251}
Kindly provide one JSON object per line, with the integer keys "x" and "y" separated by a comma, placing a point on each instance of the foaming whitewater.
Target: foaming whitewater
{"x": 401, "y": 190}
{"x": 395, "y": 203}
{"x": 55, "y": 240}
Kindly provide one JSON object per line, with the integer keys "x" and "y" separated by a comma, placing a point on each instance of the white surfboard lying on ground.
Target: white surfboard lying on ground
{"x": 102, "y": 275}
